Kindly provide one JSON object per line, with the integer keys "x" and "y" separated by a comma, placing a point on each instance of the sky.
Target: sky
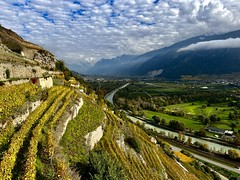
{"x": 80, "y": 31}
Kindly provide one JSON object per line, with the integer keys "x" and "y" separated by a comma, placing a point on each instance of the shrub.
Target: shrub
{"x": 101, "y": 166}
{"x": 156, "y": 119}
{"x": 13, "y": 45}
{"x": 133, "y": 143}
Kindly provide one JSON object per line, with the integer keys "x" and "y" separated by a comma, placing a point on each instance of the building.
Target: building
{"x": 216, "y": 130}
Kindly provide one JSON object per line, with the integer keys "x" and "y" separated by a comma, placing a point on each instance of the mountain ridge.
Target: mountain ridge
{"x": 161, "y": 60}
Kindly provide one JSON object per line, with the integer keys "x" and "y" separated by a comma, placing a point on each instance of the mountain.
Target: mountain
{"x": 121, "y": 65}
{"x": 81, "y": 67}
{"x": 183, "y": 59}
{"x": 116, "y": 66}
{"x": 206, "y": 54}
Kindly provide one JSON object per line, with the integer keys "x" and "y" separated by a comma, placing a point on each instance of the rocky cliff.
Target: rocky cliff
{"x": 15, "y": 44}
{"x": 20, "y": 59}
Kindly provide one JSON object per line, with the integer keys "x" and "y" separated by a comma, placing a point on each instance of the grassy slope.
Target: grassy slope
{"x": 73, "y": 141}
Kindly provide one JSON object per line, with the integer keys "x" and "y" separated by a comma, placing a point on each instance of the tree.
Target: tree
{"x": 177, "y": 125}
{"x": 231, "y": 116}
{"x": 206, "y": 121}
{"x": 213, "y": 118}
{"x": 189, "y": 141}
{"x": 156, "y": 119}
{"x": 233, "y": 125}
{"x": 183, "y": 138}
{"x": 180, "y": 136}
{"x": 205, "y": 147}
{"x": 238, "y": 139}
{"x": 163, "y": 122}
{"x": 201, "y": 117}
{"x": 201, "y": 132}
{"x": 233, "y": 154}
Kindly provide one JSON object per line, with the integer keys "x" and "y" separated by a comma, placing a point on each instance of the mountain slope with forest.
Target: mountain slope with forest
{"x": 163, "y": 62}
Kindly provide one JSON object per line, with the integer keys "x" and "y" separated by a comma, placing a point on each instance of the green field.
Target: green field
{"x": 193, "y": 103}
{"x": 189, "y": 123}
{"x": 193, "y": 110}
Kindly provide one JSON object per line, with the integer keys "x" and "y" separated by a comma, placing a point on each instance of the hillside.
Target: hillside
{"x": 30, "y": 148}
{"x": 21, "y": 59}
{"x": 9, "y": 40}
{"x": 51, "y": 129}
{"x": 219, "y": 56}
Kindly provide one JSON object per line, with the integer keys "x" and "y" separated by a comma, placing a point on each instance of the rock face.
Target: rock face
{"x": 61, "y": 128}
{"x": 18, "y": 71}
{"x": 21, "y": 118}
{"x": 20, "y": 59}
{"x": 45, "y": 82}
{"x": 93, "y": 137}
{"x": 14, "y": 43}
{"x": 32, "y": 106}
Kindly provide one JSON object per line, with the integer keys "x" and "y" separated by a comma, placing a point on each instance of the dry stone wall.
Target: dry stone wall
{"x": 93, "y": 137}
{"x": 32, "y": 106}
{"x": 19, "y": 71}
{"x": 21, "y": 118}
{"x": 61, "y": 128}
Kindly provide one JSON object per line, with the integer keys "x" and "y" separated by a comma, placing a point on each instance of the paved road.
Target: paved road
{"x": 110, "y": 95}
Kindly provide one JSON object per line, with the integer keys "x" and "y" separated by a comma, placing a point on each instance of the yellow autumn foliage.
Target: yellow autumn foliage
{"x": 182, "y": 157}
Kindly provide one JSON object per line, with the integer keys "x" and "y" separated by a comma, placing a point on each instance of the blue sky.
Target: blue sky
{"x": 88, "y": 30}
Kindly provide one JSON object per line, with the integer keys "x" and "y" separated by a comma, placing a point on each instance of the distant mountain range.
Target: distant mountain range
{"x": 206, "y": 54}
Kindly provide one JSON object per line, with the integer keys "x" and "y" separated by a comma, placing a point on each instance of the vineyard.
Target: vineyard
{"x": 28, "y": 150}
{"x": 73, "y": 141}
{"x": 144, "y": 160}
{"x": 13, "y": 99}
{"x": 124, "y": 152}
{"x": 32, "y": 149}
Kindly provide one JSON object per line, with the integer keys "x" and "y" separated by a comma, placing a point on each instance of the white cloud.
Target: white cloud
{"x": 89, "y": 30}
{"x": 214, "y": 44}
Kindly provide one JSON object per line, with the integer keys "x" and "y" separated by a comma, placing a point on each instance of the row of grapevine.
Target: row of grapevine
{"x": 30, "y": 167}
{"x": 13, "y": 98}
{"x": 9, "y": 158}
{"x": 61, "y": 167}
{"x": 50, "y": 140}
{"x": 112, "y": 146}
{"x": 87, "y": 120}
{"x": 145, "y": 164}
{"x": 5, "y": 134}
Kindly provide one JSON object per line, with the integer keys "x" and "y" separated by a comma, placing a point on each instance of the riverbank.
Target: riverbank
{"x": 210, "y": 139}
